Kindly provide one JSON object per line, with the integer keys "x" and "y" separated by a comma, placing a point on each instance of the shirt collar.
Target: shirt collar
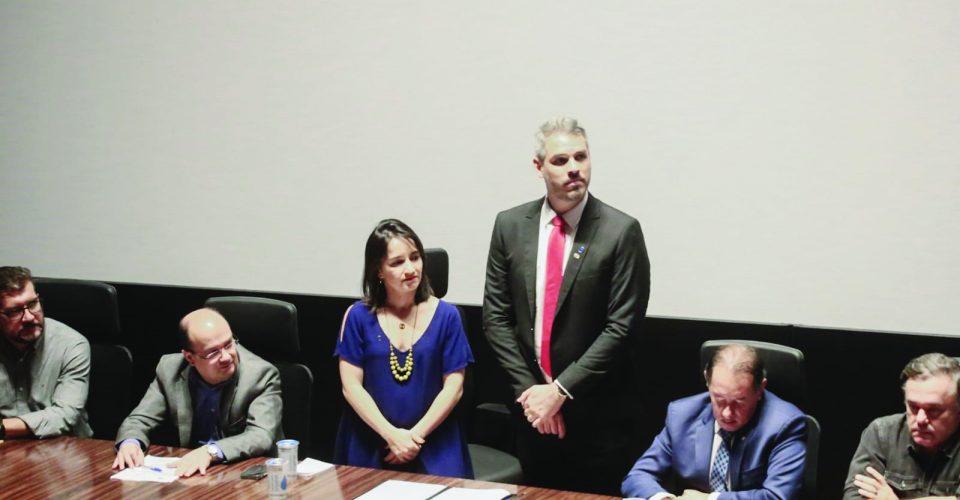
{"x": 8, "y": 351}
{"x": 949, "y": 449}
{"x": 952, "y": 447}
{"x": 203, "y": 385}
{"x": 720, "y": 432}
{"x": 571, "y": 218}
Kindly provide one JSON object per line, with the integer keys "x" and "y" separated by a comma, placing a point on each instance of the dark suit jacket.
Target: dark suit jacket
{"x": 250, "y": 413}
{"x": 603, "y": 298}
{"x": 766, "y": 462}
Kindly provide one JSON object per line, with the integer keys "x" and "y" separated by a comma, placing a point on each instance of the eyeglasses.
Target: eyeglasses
{"x": 214, "y": 354}
{"x": 16, "y": 313}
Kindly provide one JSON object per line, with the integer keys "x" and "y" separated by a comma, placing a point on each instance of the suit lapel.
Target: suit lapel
{"x": 589, "y": 222}
{"x": 184, "y": 406}
{"x": 228, "y": 396}
{"x": 703, "y": 446}
{"x": 530, "y": 236}
{"x": 736, "y": 459}
{"x": 739, "y": 449}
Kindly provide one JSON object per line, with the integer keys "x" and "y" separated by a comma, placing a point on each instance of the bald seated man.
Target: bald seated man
{"x": 223, "y": 400}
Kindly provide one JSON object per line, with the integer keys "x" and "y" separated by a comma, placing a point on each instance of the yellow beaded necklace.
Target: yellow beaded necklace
{"x": 402, "y": 373}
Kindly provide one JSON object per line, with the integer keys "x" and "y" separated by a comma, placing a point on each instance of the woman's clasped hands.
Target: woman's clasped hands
{"x": 404, "y": 446}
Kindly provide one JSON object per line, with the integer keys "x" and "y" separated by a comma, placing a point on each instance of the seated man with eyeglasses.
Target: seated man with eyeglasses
{"x": 223, "y": 400}
{"x": 44, "y": 366}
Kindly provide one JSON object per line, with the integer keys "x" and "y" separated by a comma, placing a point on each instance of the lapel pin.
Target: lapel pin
{"x": 581, "y": 249}
{"x": 576, "y": 256}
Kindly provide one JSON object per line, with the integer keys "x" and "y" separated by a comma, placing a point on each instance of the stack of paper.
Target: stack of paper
{"x": 408, "y": 490}
{"x": 309, "y": 467}
{"x": 392, "y": 489}
{"x": 153, "y": 469}
{"x": 471, "y": 494}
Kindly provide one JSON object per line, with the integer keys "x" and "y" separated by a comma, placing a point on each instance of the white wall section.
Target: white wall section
{"x": 790, "y": 162}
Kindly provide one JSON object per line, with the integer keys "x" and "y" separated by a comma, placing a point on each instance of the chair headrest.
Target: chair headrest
{"x": 265, "y": 326}
{"x": 437, "y": 268}
{"x": 786, "y": 373}
{"x": 89, "y": 307}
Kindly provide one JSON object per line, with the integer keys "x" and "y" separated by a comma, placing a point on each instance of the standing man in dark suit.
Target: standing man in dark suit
{"x": 568, "y": 281}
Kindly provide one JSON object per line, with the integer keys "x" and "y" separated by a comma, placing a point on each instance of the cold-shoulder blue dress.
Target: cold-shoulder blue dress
{"x": 442, "y": 349}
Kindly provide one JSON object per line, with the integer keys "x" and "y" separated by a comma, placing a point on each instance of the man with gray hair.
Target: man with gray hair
{"x": 567, "y": 285}
{"x": 914, "y": 454}
{"x": 44, "y": 366}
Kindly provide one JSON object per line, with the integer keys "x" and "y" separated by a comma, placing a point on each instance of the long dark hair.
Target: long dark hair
{"x": 374, "y": 293}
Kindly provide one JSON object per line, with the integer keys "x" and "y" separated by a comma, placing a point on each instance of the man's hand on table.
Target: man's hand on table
{"x": 128, "y": 455}
{"x": 197, "y": 460}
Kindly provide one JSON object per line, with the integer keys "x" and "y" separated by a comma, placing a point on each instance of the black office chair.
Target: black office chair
{"x": 491, "y": 462}
{"x": 812, "y": 460}
{"x": 90, "y": 307}
{"x": 787, "y": 378}
{"x": 786, "y": 373}
{"x": 269, "y": 328}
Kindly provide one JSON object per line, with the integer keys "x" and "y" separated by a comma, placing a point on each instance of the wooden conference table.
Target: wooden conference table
{"x": 73, "y": 468}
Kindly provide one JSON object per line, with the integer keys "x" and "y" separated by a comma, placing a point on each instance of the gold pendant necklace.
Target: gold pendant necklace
{"x": 401, "y": 373}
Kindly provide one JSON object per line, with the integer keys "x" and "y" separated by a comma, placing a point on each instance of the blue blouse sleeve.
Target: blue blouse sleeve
{"x": 350, "y": 343}
{"x": 456, "y": 349}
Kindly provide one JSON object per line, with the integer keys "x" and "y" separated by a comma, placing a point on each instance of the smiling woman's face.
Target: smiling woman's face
{"x": 402, "y": 267}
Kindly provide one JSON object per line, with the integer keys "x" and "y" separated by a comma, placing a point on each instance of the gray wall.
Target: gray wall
{"x": 790, "y": 162}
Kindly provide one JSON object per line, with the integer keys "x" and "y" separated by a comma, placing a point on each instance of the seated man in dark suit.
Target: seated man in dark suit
{"x": 219, "y": 396}
{"x": 737, "y": 440}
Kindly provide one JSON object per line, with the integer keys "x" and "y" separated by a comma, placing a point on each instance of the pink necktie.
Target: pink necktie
{"x": 551, "y": 290}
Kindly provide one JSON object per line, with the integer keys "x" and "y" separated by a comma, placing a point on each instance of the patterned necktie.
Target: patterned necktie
{"x": 718, "y": 475}
{"x": 551, "y": 290}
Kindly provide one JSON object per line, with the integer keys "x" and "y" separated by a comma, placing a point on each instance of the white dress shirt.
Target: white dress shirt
{"x": 571, "y": 221}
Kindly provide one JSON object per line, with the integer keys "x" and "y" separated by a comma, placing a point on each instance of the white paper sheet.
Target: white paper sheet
{"x": 309, "y": 467}
{"x": 472, "y": 494}
{"x": 402, "y": 490}
{"x": 154, "y": 469}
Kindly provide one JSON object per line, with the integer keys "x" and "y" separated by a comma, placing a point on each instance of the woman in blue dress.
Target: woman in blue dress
{"x": 402, "y": 353}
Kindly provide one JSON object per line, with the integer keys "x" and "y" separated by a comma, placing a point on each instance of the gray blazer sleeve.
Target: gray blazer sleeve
{"x": 151, "y": 411}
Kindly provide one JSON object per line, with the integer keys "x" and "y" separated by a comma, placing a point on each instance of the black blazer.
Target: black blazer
{"x": 603, "y": 298}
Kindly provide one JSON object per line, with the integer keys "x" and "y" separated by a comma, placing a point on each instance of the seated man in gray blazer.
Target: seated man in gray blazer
{"x": 223, "y": 399}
